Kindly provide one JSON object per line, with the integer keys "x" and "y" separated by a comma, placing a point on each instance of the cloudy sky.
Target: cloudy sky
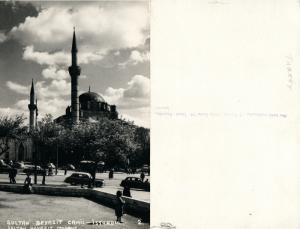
{"x": 113, "y": 40}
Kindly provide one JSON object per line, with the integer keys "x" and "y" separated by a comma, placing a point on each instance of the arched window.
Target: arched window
{"x": 21, "y": 151}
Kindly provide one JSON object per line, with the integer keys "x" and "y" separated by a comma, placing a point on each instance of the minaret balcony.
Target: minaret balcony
{"x": 74, "y": 70}
{"x": 31, "y": 106}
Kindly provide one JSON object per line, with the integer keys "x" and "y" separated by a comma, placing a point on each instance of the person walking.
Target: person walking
{"x": 44, "y": 176}
{"x": 119, "y": 205}
{"x": 126, "y": 191}
{"x": 111, "y": 174}
{"x": 143, "y": 176}
{"x": 27, "y": 184}
{"x": 15, "y": 172}
{"x": 10, "y": 175}
{"x": 93, "y": 174}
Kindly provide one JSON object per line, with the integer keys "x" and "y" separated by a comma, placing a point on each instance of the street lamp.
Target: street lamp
{"x": 59, "y": 132}
{"x": 56, "y": 158}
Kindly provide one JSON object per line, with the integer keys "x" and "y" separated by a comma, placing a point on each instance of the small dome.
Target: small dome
{"x": 90, "y": 96}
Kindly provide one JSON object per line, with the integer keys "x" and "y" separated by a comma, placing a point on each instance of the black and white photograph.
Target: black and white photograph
{"x": 139, "y": 114}
{"x": 74, "y": 114}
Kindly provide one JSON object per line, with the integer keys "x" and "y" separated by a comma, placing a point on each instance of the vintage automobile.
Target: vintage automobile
{"x": 83, "y": 179}
{"x": 31, "y": 169}
{"x": 70, "y": 167}
{"x": 4, "y": 168}
{"x": 18, "y": 165}
{"x": 135, "y": 182}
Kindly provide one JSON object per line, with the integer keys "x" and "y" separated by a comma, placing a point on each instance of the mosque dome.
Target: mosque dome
{"x": 91, "y": 97}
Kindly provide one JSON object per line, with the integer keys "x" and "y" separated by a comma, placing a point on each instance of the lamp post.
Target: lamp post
{"x": 35, "y": 163}
{"x": 56, "y": 158}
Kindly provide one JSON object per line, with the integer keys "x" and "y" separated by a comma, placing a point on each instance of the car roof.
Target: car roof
{"x": 82, "y": 173}
{"x": 92, "y": 162}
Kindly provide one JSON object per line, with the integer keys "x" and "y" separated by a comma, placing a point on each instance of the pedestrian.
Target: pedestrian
{"x": 126, "y": 191}
{"x": 27, "y": 184}
{"x": 93, "y": 173}
{"x": 119, "y": 205}
{"x": 66, "y": 170}
{"x": 44, "y": 177}
{"x": 10, "y": 175}
{"x": 143, "y": 176}
{"x": 111, "y": 174}
{"x": 15, "y": 172}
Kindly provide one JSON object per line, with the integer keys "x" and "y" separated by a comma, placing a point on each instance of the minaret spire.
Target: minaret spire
{"x": 36, "y": 114}
{"x": 31, "y": 107}
{"x": 32, "y": 93}
{"x": 74, "y": 49}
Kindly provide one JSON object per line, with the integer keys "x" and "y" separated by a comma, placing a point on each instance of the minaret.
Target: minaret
{"x": 31, "y": 107}
{"x": 74, "y": 72}
{"x": 36, "y": 115}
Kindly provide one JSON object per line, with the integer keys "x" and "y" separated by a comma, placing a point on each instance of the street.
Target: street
{"x": 110, "y": 185}
{"x": 59, "y": 212}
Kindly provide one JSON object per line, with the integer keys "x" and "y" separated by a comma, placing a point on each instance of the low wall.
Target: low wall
{"x": 133, "y": 207}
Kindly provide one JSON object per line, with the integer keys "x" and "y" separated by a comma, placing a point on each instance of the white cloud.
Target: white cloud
{"x": 54, "y": 73}
{"x": 133, "y": 102}
{"x": 139, "y": 87}
{"x": 8, "y": 111}
{"x": 136, "y": 95}
{"x": 135, "y": 58}
{"x": 53, "y": 106}
{"x": 51, "y": 97}
{"x": 55, "y": 89}
{"x": 140, "y": 116}
{"x": 3, "y": 37}
{"x": 61, "y": 58}
{"x": 18, "y": 88}
{"x": 98, "y": 30}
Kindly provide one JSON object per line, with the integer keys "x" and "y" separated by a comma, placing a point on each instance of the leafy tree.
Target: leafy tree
{"x": 111, "y": 141}
{"x": 46, "y": 138}
{"x": 10, "y": 128}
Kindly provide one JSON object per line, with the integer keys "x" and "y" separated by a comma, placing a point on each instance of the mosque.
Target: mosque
{"x": 89, "y": 107}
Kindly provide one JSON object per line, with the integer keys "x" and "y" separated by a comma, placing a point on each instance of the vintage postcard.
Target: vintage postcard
{"x": 74, "y": 114}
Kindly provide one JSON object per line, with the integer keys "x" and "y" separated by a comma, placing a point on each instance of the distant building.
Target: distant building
{"x": 89, "y": 106}
{"x": 20, "y": 149}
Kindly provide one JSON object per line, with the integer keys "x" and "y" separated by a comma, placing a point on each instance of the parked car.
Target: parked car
{"x": 28, "y": 165}
{"x": 83, "y": 179}
{"x": 135, "y": 182}
{"x": 2, "y": 162}
{"x": 31, "y": 170}
{"x": 69, "y": 167}
{"x": 18, "y": 165}
{"x": 4, "y": 168}
{"x": 101, "y": 166}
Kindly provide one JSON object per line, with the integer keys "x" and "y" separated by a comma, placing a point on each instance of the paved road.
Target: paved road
{"x": 110, "y": 185}
{"x": 82, "y": 212}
